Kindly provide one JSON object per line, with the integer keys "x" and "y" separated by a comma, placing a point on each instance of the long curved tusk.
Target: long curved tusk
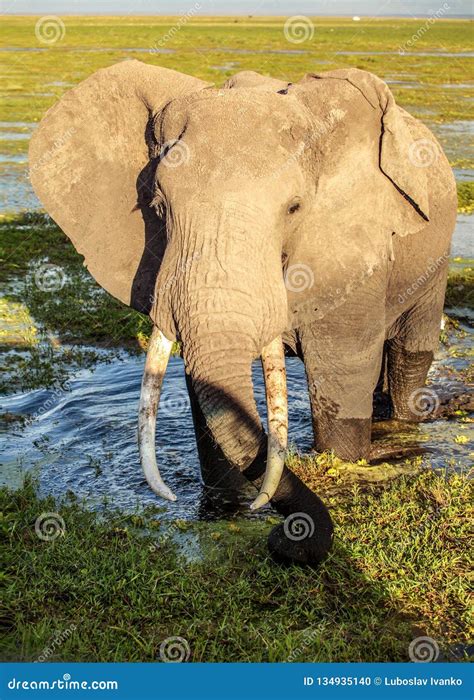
{"x": 273, "y": 363}
{"x": 157, "y": 358}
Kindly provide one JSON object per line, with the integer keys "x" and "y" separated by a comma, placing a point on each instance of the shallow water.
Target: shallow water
{"x": 437, "y": 54}
{"x": 83, "y": 438}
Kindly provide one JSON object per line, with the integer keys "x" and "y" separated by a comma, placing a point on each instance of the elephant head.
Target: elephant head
{"x": 198, "y": 206}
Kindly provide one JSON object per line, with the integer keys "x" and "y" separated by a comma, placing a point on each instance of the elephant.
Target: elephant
{"x": 254, "y": 220}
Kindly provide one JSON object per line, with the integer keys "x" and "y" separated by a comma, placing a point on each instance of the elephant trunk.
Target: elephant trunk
{"x": 220, "y": 365}
{"x": 219, "y": 361}
{"x": 228, "y": 306}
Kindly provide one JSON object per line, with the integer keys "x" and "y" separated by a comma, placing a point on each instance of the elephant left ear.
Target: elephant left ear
{"x": 405, "y": 152}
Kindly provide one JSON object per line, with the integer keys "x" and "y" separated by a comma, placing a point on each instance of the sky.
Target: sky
{"x": 417, "y": 8}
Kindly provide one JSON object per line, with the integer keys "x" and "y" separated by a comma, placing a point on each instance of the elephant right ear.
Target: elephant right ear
{"x": 91, "y": 165}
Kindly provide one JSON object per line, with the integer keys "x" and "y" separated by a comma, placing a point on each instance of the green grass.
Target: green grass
{"x": 202, "y": 46}
{"x": 465, "y": 197}
{"x": 79, "y": 310}
{"x": 42, "y": 330}
{"x": 460, "y": 289}
{"x": 399, "y": 570}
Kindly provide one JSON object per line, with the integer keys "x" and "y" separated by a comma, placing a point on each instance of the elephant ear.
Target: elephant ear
{"x": 91, "y": 165}
{"x": 366, "y": 190}
{"x": 400, "y": 158}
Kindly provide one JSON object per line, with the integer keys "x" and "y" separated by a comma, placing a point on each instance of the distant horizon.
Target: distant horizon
{"x": 455, "y": 9}
{"x": 255, "y": 14}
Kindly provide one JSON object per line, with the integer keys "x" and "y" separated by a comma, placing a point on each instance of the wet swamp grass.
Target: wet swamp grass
{"x": 215, "y": 48}
{"x": 398, "y": 570}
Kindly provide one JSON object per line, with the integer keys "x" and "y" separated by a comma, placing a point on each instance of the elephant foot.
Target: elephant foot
{"x": 348, "y": 437}
{"x": 291, "y": 542}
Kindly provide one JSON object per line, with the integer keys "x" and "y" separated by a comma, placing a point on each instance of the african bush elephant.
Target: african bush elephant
{"x": 317, "y": 213}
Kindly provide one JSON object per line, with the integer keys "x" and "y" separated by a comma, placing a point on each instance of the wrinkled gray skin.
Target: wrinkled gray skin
{"x": 319, "y": 211}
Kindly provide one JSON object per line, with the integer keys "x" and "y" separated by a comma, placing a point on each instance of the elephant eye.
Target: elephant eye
{"x": 294, "y": 207}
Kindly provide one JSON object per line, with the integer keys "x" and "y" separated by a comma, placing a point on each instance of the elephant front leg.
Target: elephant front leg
{"x": 342, "y": 370}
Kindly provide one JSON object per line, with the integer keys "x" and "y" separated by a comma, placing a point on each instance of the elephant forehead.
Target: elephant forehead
{"x": 227, "y": 132}
{"x": 225, "y": 114}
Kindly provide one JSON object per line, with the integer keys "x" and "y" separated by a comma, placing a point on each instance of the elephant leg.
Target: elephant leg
{"x": 343, "y": 364}
{"x": 410, "y": 354}
{"x": 407, "y": 374}
{"x": 306, "y": 535}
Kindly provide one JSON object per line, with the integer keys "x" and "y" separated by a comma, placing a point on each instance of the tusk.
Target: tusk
{"x": 273, "y": 362}
{"x": 157, "y": 358}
